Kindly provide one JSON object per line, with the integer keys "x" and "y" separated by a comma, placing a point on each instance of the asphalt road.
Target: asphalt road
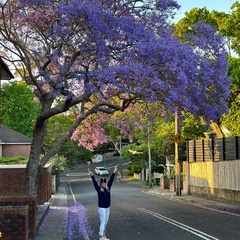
{"x": 82, "y": 170}
{"x": 136, "y": 215}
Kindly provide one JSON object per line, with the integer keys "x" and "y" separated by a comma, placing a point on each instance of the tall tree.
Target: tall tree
{"x": 231, "y": 27}
{"x": 228, "y": 25}
{"x": 99, "y": 56}
{"x": 220, "y": 21}
{"x": 19, "y": 109}
{"x": 230, "y": 120}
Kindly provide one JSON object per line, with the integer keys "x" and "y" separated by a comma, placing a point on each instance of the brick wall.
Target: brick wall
{"x": 44, "y": 187}
{"x": 13, "y": 182}
{"x": 14, "y": 222}
{"x": 12, "y": 150}
{"x": 23, "y": 201}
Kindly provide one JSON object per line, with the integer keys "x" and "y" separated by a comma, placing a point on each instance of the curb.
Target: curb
{"x": 41, "y": 214}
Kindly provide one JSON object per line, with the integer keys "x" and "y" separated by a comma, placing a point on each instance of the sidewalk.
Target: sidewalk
{"x": 62, "y": 218}
{"x": 52, "y": 217}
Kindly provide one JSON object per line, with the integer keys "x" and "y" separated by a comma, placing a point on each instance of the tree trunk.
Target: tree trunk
{"x": 34, "y": 163}
{"x": 33, "y": 171}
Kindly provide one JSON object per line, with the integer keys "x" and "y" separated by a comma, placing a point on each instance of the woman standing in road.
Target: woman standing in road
{"x": 104, "y": 201}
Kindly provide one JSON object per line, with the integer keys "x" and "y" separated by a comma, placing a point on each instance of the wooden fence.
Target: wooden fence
{"x": 216, "y": 149}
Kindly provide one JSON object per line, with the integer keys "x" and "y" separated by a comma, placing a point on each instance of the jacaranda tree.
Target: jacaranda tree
{"x": 98, "y": 56}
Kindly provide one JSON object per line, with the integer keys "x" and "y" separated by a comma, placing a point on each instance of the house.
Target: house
{"x": 13, "y": 143}
{"x": 13, "y": 177}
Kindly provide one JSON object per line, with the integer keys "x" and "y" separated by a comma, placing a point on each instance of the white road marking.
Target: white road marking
{"x": 85, "y": 232}
{"x": 76, "y": 174}
{"x": 70, "y": 187}
{"x": 180, "y": 225}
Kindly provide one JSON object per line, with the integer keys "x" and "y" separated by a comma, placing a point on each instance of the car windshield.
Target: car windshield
{"x": 102, "y": 169}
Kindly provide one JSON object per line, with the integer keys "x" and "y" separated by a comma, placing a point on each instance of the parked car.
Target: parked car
{"x": 101, "y": 171}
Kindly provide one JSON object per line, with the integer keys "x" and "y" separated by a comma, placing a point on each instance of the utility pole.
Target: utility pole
{"x": 149, "y": 158}
{"x": 177, "y": 164}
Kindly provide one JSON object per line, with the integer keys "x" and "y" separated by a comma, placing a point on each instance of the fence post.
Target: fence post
{"x": 223, "y": 148}
{"x": 212, "y": 149}
{"x": 194, "y": 150}
{"x": 203, "y": 155}
{"x": 187, "y": 150}
{"x": 236, "y": 145}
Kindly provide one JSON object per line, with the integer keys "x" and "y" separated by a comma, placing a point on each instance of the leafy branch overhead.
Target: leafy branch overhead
{"x": 99, "y": 56}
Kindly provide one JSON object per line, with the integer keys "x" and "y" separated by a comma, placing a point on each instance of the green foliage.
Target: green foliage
{"x": 104, "y": 148}
{"x": 171, "y": 174}
{"x": 231, "y": 26}
{"x": 56, "y": 129}
{"x": 164, "y": 142}
{"x": 193, "y": 128}
{"x": 72, "y": 153}
{"x": 228, "y": 26}
{"x": 161, "y": 140}
{"x": 185, "y": 25}
{"x": 112, "y": 132}
{"x": 137, "y": 161}
{"x": 231, "y": 120}
{"x": 13, "y": 160}
{"x": 218, "y": 20}
{"x": 125, "y": 154}
{"x": 136, "y": 165}
{"x": 19, "y": 110}
{"x": 58, "y": 164}
{"x": 234, "y": 72}
{"x": 156, "y": 181}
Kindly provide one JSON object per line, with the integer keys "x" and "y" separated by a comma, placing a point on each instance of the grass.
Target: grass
{"x": 131, "y": 178}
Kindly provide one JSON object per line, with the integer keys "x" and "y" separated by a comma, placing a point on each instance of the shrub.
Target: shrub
{"x": 58, "y": 164}
{"x": 13, "y": 160}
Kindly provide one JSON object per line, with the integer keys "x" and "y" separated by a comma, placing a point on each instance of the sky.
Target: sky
{"x": 218, "y": 5}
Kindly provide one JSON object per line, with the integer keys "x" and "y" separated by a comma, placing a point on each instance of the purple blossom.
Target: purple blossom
{"x": 114, "y": 52}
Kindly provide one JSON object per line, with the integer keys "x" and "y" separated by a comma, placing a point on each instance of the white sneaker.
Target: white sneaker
{"x": 104, "y": 235}
{"x": 103, "y": 238}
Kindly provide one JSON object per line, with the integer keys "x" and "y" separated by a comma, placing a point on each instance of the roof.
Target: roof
{"x": 5, "y": 73}
{"x": 9, "y": 136}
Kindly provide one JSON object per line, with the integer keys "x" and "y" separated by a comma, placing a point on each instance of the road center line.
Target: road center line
{"x": 180, "y": 225}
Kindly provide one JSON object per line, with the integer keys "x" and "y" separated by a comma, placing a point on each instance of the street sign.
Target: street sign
{"x": 178, "y": 138}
